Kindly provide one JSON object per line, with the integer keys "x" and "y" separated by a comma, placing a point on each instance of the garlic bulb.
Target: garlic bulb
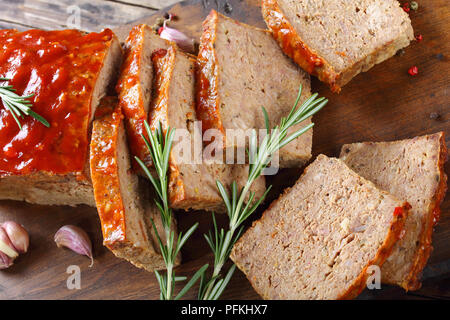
{"x": 5, "y": 261}
{"x": 182, "y": 40}
{"x": 7, "y": 251}
{"x": 18, "y": 235}
{"x": 75, "y": 239}
{"x": 6, "y": 245}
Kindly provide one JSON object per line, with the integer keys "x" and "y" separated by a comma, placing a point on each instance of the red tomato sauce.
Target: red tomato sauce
{"x": 60, "y": 68}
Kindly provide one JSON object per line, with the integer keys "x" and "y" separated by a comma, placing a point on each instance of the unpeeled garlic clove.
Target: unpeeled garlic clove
{"x": 182, "y": 40}
{"x": 6, "y": 246}
{"x": 18, "y": 235}
{"x": 5, "y": 261}
{"x": 76, "y": 239}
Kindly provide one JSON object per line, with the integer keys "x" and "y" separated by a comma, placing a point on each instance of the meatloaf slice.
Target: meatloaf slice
{"x": 240, "y": 69}
{"x": 135, "y": 85}
{"x": 319, "y": 238}
{"x": 192, "y": 182}
{"x": 412, "y": 170}
{"x": 335, "y": 40}
{"x": 122, "y": 205}
{"x": 68, "y": 72}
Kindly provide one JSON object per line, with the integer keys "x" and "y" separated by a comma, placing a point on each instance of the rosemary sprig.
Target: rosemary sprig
{"x": 17, "y": 105}
{"x": 222, "y": 242}
{"x": 159, "y": 146}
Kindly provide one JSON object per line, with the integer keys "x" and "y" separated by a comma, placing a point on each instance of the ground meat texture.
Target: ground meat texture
{"x": 337, "y": 39}
{"x": 318, "y": 239}
{"x": 135, "y": 86}
{"x": 192, "y": 183}
{"x": 412, "y": 170}
{"x": 241, "y": 69}
{"x": 123, "y": 207}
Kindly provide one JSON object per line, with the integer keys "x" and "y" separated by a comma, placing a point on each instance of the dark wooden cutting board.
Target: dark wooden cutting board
{"x": 383, "y": 104}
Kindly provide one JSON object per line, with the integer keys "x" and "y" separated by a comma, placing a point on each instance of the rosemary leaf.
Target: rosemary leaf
{"x": 260, "y": 157}
{"x": 195, "y": 277}
{"x": 18, "y": 106}
{"x": 159, "y": 145}
{"x": 224, "y": 283}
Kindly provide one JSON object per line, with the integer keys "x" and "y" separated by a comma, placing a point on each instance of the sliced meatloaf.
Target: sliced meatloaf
{"x": 318, "y": 239}
{"x": 240, "y": 69}
{"x": 335, "y": 39}
{"x": 135, "y": 85}
{"x": 67, "y": 72}
{"x": 412, "y": 170}
{"x": 122, "y": 205}
{"x": 192, "y": 182}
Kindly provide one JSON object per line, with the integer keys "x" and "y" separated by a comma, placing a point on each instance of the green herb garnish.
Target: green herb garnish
{"x": 159, "y": 146}
{"x": 18, "y": 106}
{"x": 238, "y": 211}
{"x": 222, "y": 242}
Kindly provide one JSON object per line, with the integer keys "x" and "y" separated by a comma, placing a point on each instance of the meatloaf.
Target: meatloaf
{"x": 335, "y": 39}
{"x": 319, "y": 238}
{"x": 412, "y": 170}
{"x": 192, "y": 182}
{"x": 67, "y": 72}
{"x": 122, "y": 205}
{"x": 240, "y": 69}
{"x": 135, "y": 85}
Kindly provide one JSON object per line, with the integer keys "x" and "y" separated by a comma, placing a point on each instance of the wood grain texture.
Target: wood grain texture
{"x": 382, "y": 104}
{"x": 153, "y": 4}
{"x": 48, "y": 14}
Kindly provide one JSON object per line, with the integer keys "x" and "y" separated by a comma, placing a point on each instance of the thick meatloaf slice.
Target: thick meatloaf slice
{"x": 68, "y": 72}
{"x": 192, "y": 182}
{"x": 318, "y": 239}
{"x": 122, "y": 205}
{"x": 337, "y": 39}
{"x": 135, "y": 85}
{"x": 240, "y": 69}
{"x": 412, "y": 170}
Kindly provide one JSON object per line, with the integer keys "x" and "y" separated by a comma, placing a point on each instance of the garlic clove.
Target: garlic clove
{"x": 5, "y": 261}
{"x": 6, "y": 246}
{"x": 76, "y": 239}
{"x": 18, "y": 235}
{"x": 182, "y": 40}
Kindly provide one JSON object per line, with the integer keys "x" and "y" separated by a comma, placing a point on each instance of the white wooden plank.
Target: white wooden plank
{"x": 155, "y": 4}
{"x": 12, "y": 25}
{"x": 92, "y": 15}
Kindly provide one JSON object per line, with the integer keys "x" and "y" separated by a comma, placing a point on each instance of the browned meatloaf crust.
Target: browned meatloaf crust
{"x": 336, "y": 39}
{"x": 412, "y": 170}
{"x": 123, "y": 208}
{"x": 192, "y": 182}
{"x": 135, "y": 86}
{"x": 318, "y": 239}
{"x": 240, "y": 69}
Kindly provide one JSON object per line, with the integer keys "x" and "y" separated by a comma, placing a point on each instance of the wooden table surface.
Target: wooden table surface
{"x": 382, "y": 104}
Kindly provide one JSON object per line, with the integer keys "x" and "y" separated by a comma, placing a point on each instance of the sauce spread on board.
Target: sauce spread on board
{"x": 60, "y": 68}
